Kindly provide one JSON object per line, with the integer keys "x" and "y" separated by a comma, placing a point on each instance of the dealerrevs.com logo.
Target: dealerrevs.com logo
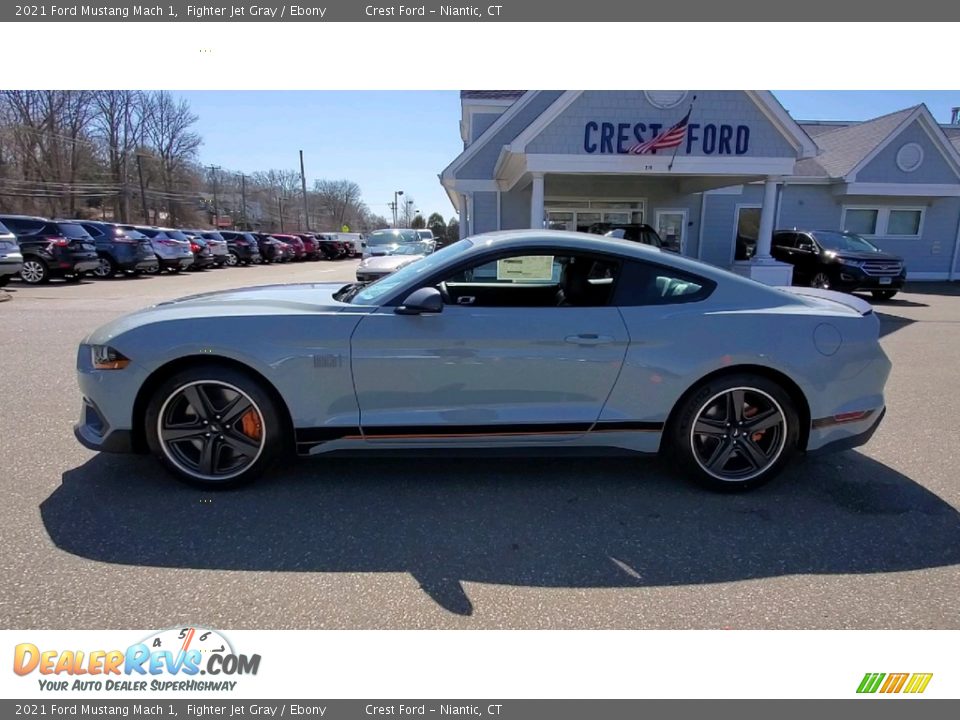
{"x": 171, "y": 659}
{"x": 892, "y": 683}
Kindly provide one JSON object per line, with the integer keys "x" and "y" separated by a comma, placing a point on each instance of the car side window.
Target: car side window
{"x": 542, "y": 280}
{"x": 649, "y": 284}
{"x": 804, "y": 243}
{"x": 93, "y": 230}
{"x": 784, "y": 240}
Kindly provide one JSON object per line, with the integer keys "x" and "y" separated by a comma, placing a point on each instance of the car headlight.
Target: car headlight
{"x": 105, "y": 357}
{"x": 850, "y": 263}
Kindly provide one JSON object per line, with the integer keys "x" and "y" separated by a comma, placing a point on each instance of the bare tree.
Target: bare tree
{"x": 167, "y": 127}
{"x": 339, "y": 200}
{"x": 115, "y": 124}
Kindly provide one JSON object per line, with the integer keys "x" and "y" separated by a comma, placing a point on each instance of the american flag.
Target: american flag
{"x": 669, "y": 139}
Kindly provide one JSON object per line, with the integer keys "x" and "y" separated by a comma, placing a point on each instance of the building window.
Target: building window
{"x": 861, "y": 221}
{"x": 899, "y": 222}
{"x": 910, "y": 157}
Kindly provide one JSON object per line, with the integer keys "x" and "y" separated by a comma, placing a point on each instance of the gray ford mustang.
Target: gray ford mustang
{"x": 538, "y": 340}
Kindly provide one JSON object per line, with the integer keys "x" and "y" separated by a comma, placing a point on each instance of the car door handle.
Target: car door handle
{"x": 589, "y": 339}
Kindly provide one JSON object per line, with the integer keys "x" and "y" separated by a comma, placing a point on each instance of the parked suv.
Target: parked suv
{"x": 295, "y": 243}
{"x": 52, "y": 248}
{"x": 271, "y": 250}
{"x": 11, "y": 260}
{"x": 119, "y": 250}
{"x": 170, "y": 246}
{"x": 838, "y": 260}
{"x": 213, "y": 240}
{"x": 242, "y": 246}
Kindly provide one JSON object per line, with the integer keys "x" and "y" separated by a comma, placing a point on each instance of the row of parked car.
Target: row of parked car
{"x": 38, "y": 249}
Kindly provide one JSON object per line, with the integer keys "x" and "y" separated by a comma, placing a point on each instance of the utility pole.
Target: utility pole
{"x": 143, "y": 192}
{"x": 303, "y": 184}
{"x": 216, "y": 213}
{"x": 280, "y": 207}
{"x": 243, "y": 200}
{"x": 396, "y": 206}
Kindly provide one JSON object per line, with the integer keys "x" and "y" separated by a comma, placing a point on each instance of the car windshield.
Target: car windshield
{"x": 391, "y": 237}
{"x": 409, "y": 249}
{"x": 425, "y": 234}
{"x": 377, "y": 292}
{"x": 844, "y": 242}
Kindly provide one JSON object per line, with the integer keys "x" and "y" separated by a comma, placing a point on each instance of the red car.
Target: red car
{"x": 299, "y": 252}
{"x": 311, "y": 246}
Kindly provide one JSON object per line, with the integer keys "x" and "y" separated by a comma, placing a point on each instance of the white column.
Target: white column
{"x": 536, "y": 202}
{"x": 768, "y": 214}
{"x": 464, "y": 215}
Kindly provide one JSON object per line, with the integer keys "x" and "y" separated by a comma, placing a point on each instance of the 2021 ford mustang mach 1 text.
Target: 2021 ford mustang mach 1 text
{"x": 518, "y": 339}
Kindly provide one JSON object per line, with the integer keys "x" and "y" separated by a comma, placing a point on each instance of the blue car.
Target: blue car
{"x": 545, "y": 341}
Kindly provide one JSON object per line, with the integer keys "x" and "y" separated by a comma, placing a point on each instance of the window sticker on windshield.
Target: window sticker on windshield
{"x": 530, "y": 267}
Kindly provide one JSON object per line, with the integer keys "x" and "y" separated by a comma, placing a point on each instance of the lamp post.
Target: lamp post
{"x": 406, "y": 213}
{"x": 396, "y": 194}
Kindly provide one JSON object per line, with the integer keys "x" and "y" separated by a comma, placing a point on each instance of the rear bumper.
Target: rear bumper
{"x": 10, "y": 267}
{"x": 837, "y": 438}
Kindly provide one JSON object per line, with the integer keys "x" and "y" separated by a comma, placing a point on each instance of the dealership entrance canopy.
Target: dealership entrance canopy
{"x": 706, "y": 169}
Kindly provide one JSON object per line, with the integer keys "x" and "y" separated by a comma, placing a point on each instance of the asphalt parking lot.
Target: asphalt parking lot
{"x": 864, "y": 539}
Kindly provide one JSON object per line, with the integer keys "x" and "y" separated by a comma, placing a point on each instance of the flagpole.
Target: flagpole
{"x": 686, "y": 130}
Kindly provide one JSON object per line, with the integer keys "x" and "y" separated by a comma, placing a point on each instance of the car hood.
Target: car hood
{"x": 279, "y": 300}
{"x": 388, "y": 263}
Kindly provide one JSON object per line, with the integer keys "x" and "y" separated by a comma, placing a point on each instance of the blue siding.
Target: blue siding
{"x": 812, "y": 207}
{"x": 481, "y": 165}
{"x": 515, "y": 209}
{"x": 480, "y": 123}
{"x": 934, "y": 168}
{"x": 484, "y": 212}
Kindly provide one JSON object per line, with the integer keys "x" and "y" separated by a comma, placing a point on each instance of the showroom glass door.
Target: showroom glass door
{"x": 672, "y": 229}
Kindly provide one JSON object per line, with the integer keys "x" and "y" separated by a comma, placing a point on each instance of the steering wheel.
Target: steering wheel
{"x": 445, "y": 293}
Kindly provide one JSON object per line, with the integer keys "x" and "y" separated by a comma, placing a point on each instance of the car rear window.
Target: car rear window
{"x": 176, "y": 235}
{"x": 71, "y": 230}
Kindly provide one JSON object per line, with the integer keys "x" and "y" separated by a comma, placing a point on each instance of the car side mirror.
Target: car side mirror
{"x": 424, "y": 300}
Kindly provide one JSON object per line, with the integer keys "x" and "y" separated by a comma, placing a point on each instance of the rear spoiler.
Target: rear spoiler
{"x": 850, "y": 301}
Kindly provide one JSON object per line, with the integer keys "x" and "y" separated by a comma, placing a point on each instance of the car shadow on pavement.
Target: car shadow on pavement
{"x": 593, "y": 523}
{"x": 891, "y": 323}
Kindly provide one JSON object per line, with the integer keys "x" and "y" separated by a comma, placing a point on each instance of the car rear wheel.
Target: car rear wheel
{"x": 214, "y": 426}
{"x": 232, "y": 259}
{"x": 106, "y": 268}
{"x": 34, "y": 271}
{"x": 820, "y": 280}
{"x": 735, "y": 433}
{"x": 883, "y": 294}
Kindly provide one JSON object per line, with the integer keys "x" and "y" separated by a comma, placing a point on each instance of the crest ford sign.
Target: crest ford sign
{"x": 701, "y": 138}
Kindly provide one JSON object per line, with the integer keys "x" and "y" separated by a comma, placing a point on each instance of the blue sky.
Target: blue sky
{"x": 401, "y": 140}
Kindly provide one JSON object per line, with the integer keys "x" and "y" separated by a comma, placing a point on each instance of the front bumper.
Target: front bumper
{"x": 94, "y": 433}
{"x": 855, "y": 279}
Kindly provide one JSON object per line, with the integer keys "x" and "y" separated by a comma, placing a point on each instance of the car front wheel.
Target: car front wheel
{"x": 735, "y": 433}
{"x": 820, "y": 280}
{"x": 214, "y": 426}
{"x": 232, "y": 259}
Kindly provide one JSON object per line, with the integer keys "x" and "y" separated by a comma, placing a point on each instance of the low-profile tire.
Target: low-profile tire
{"x": 106, "y": 269}
{"x": 883, "y": 294}
{"x": 34, "y": 271}
{"x": 735, "y": 432}
{"x": 214, "y": 426}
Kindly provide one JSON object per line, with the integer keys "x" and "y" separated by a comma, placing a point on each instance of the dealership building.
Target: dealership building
{"x": 743, "y": 167}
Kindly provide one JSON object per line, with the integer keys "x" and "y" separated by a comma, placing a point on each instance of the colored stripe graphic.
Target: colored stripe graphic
{"x": 894, "y": 683}
{"x": 870, "y": 682}
{"x": 918, "y": 683}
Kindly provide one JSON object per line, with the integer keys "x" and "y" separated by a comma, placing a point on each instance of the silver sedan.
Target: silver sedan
{"x": 544, "y": 341}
